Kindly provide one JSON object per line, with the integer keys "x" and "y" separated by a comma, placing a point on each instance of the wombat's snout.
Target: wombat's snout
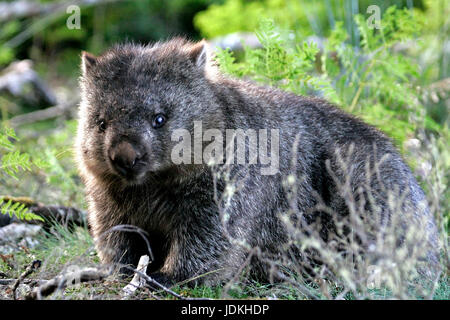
{"x": 126, "y": 159}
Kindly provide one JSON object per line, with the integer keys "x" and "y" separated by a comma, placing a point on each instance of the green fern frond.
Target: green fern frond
{"x": 18, "y": 210}
{"x": 5, "y": 135}
{"x": 12, "y": 162}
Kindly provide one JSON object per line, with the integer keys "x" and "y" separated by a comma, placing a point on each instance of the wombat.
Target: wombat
{"x": 210, "y": 219}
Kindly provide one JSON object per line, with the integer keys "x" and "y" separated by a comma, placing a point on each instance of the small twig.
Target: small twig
{"x": 41, "y": 115}
{"x": 36, "y": 264}
{"x": 155, "y": 283}
{"x": 200, "y": 276}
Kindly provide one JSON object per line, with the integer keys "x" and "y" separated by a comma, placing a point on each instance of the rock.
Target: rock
{"x": 15, "y": 235}
{"x": 17, "y": 231}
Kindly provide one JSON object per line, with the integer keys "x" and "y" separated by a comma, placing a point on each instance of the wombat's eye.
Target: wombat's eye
{"x": 102, "y": 125}
{"x": 158, "y": 121}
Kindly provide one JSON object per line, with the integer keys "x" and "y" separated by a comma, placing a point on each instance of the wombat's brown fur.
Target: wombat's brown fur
{"x": 134, "y": 97}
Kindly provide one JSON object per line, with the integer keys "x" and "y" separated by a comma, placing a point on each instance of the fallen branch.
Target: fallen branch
{"x": 41, "y": 115}
{"x": 8, "y": 282}
{"x": 62, "y": 281}
{"x": 36, "y": 264}
{"x": 67, "y": 216}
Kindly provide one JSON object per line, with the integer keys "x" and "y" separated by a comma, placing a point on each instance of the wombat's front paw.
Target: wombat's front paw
{"x": 161, "y": 279}
{"x": 125, "y": 272}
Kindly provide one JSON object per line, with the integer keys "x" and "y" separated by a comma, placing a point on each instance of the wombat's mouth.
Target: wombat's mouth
{"x": 132, "y": 175}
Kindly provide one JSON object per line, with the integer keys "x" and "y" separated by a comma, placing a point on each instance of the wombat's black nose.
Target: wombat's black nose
{"x": 124, "y": 157}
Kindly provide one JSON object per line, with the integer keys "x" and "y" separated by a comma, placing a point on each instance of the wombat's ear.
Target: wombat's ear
{"x": 200, "y": 53}
{"x": 88, "y": 60}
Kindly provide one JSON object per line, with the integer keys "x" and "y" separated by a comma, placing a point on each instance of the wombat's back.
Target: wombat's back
{"x": 346, "y": 163}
